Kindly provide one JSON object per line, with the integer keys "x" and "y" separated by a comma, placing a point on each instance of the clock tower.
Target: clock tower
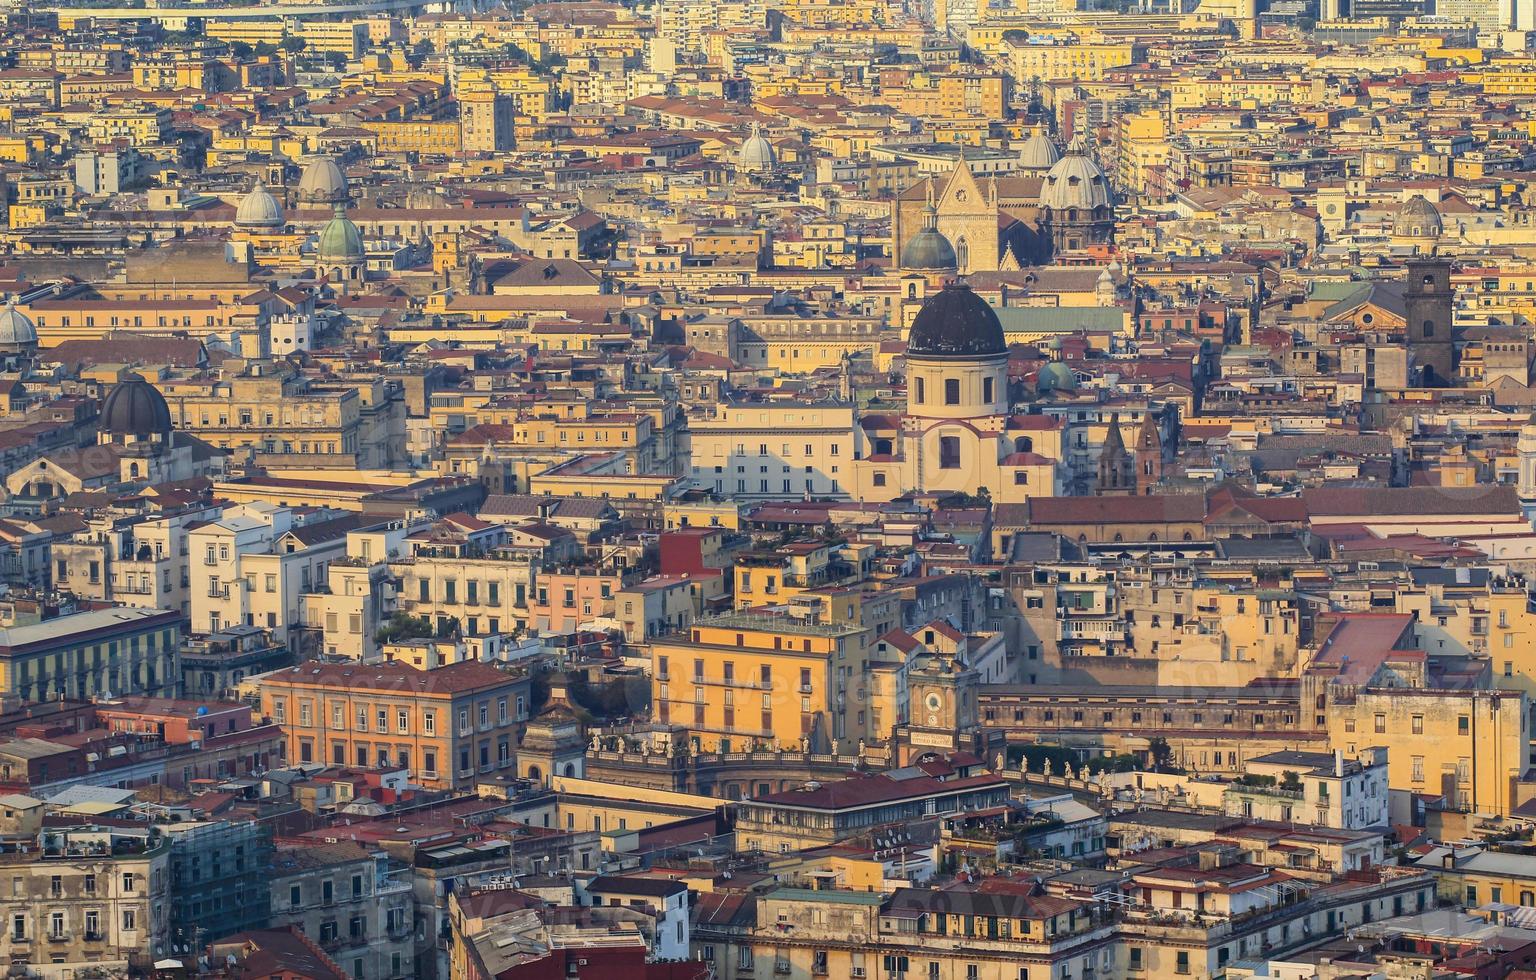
{"x": 941, "y": 694}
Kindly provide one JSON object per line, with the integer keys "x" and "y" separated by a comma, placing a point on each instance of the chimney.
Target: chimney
{"x": 1338, "y": 763}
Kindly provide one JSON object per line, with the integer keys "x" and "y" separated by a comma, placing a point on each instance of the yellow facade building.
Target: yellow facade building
{"x": 744, "y": 679}
{"x": 1070, "y": 58}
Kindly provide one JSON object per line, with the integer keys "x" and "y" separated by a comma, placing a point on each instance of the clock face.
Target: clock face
{"x": 934, "y": 703}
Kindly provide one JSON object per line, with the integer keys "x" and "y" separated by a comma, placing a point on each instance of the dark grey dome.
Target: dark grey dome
{"x": 134, "y": 407}
{"x": 956, "y": 323}
{"x": 928, "y": 249}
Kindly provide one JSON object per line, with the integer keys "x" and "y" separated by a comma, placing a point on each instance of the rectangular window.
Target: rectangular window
{"x": 951, "y": 391}
{"x": 949, "y": 452}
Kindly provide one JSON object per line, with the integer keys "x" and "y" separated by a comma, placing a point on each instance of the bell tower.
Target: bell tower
{"x": 1525, "y": 448}
{"x": 1149, "y": 453}
{"x": 1428, "y": 305}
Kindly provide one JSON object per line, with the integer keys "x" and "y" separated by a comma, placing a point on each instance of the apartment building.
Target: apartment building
{"x": 217, "y": 872}
{"x": 251, "y": 566}
{"x": 443, "y": 727}
{"x": 90, "y": 653}
{"x": 270, "y": 410}
{"x": 746, "y": 678}
{"x": 84, "y": 895}
{"x": 351, "y": 902}
{"x": 483, "y": 585}
{"x": 1451, "y": 733}
{"x": 135, "y": 561}
{"x": 1002, "y": 932}
{"x": 773, "y": 451}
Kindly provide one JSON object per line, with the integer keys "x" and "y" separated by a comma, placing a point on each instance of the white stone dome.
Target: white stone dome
{"x": 1076, "y": 181}
{"x": 323, "y": 182}
{"x": 259, "y": 209}
{"x": 16, "y": 328}
{"x": 756, "y": 153}
{"x": 1038, "y": 152}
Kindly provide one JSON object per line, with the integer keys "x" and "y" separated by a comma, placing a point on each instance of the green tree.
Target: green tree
{"x": 1162, "y": 753}
{"x": 293, "y": 45}
{"x": 404, "y": 626}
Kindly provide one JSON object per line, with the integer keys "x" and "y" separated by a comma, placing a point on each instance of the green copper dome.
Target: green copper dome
{"x": 1055, "y": 376}
{"x": 340, "y": 241}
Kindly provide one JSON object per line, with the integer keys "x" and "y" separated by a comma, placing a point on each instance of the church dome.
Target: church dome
{"x": 340, "y": 241}
{"x": 756, "y": 153}
{"x": 1076, "y": 181}
{"x": 259, "y": 209}
{"x": 134, "y": 407}
{"x": 1055, "y": 376}
{"x": 16, "y": 328}
{"x": 1417, "y": 218}
{"x": 929, "y": 249}
{"x": 957, "y": 324}
{"x": 323, "y": 182}
{"x": 1038, "y": 152}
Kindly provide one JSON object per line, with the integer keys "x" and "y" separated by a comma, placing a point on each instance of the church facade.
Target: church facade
{"x": 957, "y": 434}
{"x": 991, "y": 222}
{"x": 1004, "y": 222}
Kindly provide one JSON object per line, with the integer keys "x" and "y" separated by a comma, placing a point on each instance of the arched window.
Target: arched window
{"x": 1152, "y": 536}
{"x": 1188, "y": 536}
{"x": 1429, "y": 328}
{"x": 1023, "y": 444}
{"x": 963, "y": 254}
{"x": 1119, "y": 537}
